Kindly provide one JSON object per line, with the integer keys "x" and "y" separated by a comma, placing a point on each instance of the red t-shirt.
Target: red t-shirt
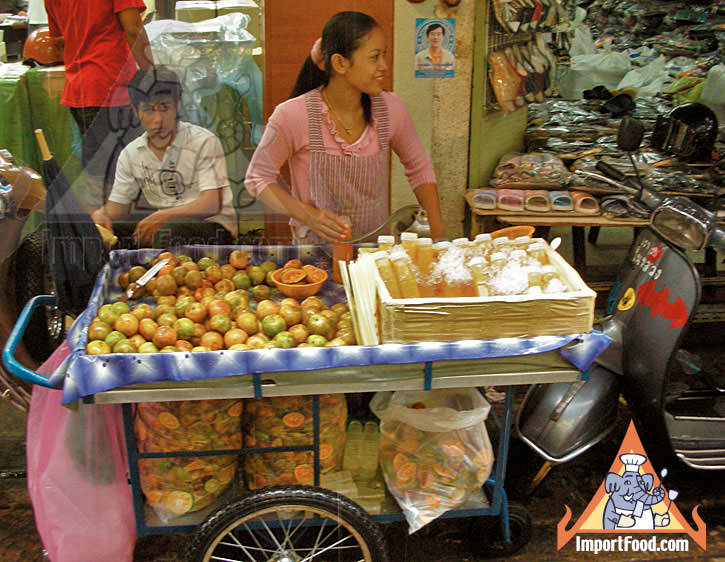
{"x": 98, "y": 60}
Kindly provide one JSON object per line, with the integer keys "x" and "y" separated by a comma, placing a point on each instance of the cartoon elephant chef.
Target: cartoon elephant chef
{"x": 629, "y": 505}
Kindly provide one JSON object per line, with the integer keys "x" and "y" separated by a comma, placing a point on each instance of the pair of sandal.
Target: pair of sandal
{"x": 535, "y": 200}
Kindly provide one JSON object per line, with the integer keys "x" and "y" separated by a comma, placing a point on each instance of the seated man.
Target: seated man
{"x": 178, "y": 167}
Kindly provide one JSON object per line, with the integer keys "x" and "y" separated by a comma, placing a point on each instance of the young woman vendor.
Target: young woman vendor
{"x": 336, "y": 132}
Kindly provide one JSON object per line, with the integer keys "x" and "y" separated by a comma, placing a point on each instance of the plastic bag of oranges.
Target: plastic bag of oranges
{"x": 287, "y": 421}
{"x": 434, "y": 449}
{"x": 174, "y": 486}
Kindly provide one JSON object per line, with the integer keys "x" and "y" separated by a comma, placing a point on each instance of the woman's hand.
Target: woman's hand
{"x": 327, "y": 225}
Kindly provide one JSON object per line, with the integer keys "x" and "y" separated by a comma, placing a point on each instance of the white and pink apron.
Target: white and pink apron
{"x": 350, "y": 186}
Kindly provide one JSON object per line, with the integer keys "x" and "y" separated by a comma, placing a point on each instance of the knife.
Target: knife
{"x": 145, "y": 278}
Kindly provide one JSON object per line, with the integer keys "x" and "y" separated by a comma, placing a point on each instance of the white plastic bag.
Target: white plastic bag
{"x": 606, "y": 67}
{"x": 434, "y": 449}
{"x": 713, "y": 93}
{"x": 582, "y": 43}
{"x": 648, "y": 80}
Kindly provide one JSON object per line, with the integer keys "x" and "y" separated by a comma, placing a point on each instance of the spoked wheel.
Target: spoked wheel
{"x": 46, "y": 329}
{"x": 289, "y": 524}
{"x": 486, "y": 535}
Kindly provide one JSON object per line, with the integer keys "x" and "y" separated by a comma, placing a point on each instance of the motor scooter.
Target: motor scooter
{"x": 651, "y": 305}
{"x": 21, "y": 191}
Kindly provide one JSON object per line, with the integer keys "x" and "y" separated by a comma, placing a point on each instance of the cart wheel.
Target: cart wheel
{"x": 525, "y": 471}
{"x": 276, "y": 524}
{"x": 486, "y": 536}
{"x": 46, "y": 329}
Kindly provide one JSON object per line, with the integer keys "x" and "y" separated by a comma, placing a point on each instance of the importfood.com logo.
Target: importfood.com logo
{"x": 630, "y": 501}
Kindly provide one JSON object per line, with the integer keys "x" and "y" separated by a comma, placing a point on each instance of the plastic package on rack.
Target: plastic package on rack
{"x": 529, "y": 170}
{"x": 221, "y": 82}
{"x": 174, "y": 486}
{"x": 434, "y": 449}
{"x": 287, "y": 421}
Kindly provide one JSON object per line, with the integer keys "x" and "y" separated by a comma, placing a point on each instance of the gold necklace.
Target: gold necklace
{"x": 335, "y": 115}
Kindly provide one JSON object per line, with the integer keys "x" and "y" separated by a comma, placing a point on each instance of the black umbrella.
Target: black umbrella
{"x": 76, "y": 250}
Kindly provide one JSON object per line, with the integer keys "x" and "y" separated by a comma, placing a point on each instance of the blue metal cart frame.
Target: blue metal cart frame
{"x": 546, "y": 367}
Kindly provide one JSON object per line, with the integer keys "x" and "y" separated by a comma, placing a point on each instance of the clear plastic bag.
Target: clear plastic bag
{"x": 77, "y": 477}
{"x": 529, "y": 170}
{"x": 434, "y": 449}
{"x": 287, "y": 421}
{"x": 177, "y": 485}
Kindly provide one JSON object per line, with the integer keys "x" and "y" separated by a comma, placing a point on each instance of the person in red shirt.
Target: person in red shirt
{"x": 103, "y": 42}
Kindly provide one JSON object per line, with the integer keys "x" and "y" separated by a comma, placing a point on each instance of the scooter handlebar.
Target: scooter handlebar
{"x": 610, "y": 171}
{"x": 16, "y": 334}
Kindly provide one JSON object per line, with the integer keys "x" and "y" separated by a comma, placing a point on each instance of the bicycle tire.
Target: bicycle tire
{"x": 351, "y": 520}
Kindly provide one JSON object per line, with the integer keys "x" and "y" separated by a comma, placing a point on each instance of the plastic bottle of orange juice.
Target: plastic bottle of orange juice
{"x": 424, "y": 264}
{"x": 408, "y": 240}
{"x": 483, "y": 243}
{"x": 481, "y": 277}
{"x": 387, "y": 274}
{"x": 537, "y": 250}
{"x": 404, "y": 274}
{"x": 386, "y": 242}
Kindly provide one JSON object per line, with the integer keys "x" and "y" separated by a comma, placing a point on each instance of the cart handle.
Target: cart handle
{"x": 12, "y": 364}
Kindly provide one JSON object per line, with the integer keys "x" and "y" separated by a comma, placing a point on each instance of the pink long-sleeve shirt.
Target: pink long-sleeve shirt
{"x": 286, "y": 138}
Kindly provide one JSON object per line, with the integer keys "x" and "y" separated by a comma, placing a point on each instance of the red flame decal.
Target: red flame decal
{"x": 659, "y": 303}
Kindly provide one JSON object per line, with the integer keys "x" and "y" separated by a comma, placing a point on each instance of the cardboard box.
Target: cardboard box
{"x": 483, "y": 318}
{"x": 195, "y": 10}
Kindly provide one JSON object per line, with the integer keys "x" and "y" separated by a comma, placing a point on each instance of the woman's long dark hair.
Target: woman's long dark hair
{"x": 342, "y": 34}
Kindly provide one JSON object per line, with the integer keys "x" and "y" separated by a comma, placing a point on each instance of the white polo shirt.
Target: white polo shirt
{"x": 193, "y": 162}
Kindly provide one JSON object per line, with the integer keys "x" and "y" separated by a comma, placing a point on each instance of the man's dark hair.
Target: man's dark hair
{"x": 433, "y": 27}
{"x": 154, "y": 82}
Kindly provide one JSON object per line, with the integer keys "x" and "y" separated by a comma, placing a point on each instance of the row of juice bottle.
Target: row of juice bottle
{"x": 482, "y": 267}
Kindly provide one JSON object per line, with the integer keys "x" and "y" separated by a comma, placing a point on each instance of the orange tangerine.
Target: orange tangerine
{"x": 169, "y": 420}
{"x": 154, "y": 496}
{"x": 304, "y": 474}
{"x": 293, "y": 419}
{"x": 406, "y": 472}
{"x": 291, "y": 275}
{"x": 399, "y": 460}
{"x": 325, "y": 451}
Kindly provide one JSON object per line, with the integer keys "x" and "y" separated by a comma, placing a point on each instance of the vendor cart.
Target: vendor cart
{"x": 305, "y": 522}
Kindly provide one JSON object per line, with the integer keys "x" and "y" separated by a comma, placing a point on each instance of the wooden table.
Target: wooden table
{"x": 479, "y": 220}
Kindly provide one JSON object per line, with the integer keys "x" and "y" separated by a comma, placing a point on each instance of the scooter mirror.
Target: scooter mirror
{"x": 630, "y": 134}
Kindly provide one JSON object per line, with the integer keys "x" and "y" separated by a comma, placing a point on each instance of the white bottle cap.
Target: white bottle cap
{"x": 379, "y": 255}
{"x": 548, "y": 269}
{"x": 498, "y": 256}
{"x": 476, "y": 261}
{"x": 500, "y": 241}
{"x": 483, "y": 237}
{"x": 460, "y": 241}
{"x": 442, "y": 245}
{"x": 535, "y": 290}
{"x": 386, "y": 239}
{"x": 408, "y": 236}
{"x": 522, "y": 240}
{"x": 538, "y": 245}
{"x": 425, "y": 241}
{"x": 518, "y": 255}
